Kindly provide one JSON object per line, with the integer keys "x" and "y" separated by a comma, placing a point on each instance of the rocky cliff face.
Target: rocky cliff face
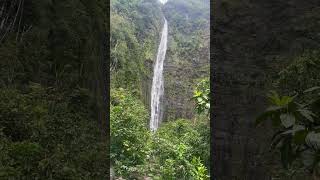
{"x": 187, "y": 57}
{"x": 146, "y": 81}
{"x": 135, "y": 35}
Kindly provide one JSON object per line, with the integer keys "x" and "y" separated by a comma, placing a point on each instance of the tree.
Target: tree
{"x": 130, "y": 136}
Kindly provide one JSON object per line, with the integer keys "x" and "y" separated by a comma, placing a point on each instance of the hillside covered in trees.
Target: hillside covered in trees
{"x": 179, "y": 149}
{"x": 52, "y": 84}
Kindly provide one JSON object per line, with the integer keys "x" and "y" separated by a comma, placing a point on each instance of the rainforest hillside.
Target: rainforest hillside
{"x": 172, "y": 152}
{"x": 52, "y": 86}
{"x": 135, "y": 35}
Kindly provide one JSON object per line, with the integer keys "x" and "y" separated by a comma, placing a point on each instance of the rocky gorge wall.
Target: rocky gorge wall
{"x": 187, "y": 58}
{"x": 135, "y": 35}
{"x": 146, "y": 79}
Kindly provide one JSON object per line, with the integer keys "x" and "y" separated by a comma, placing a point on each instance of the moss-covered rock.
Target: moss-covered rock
{"x": 187, "y": 58}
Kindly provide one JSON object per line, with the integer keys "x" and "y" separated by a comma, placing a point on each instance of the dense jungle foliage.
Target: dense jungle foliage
{"x": 52, "y": 83}
{"x": 179, "y": 149}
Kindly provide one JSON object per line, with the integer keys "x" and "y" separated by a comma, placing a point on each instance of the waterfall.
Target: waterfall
{"x": 163, "y": 1}
{"x": 157, "y": 81}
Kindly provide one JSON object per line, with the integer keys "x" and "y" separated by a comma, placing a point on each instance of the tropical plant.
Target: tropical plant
{"x": 297, "y": 124}
{"x": 175, "y": 151}
{"x": 129, "y": 133}
{"x": 201, "y": 96}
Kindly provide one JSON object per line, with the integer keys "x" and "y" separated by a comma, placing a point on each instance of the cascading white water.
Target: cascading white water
{"x": 157, "y": 81}
{"x": 163, "y": 1}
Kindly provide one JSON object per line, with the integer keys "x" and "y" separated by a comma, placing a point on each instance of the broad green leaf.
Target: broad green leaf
{"x": 313, "y": 140}
{"x": 197, "y": 93}
{"x": 208, "y": 105}
{"x": 285, "y": 100}
{"x": 273, "y": 97}
{"x": 287, "y": 120}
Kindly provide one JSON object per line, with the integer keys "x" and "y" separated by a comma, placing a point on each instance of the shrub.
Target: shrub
{"x": 175, "y": 151}
{"x": 129, "y": 133}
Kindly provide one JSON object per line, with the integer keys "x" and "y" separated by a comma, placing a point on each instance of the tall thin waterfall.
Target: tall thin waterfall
{"x": 157, "y": 82}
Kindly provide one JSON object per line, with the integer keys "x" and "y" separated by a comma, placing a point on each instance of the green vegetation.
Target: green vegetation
{"x": 202, "y": 96}
{"x": 301, "y": 74}
{"x": 130, "y": 136}
{"x": 44, "y": 137}
{"x": 51, "y": 88}
{"x": 179, "y": 149}
{"x": 295, "y": 117}
{"x": 134, "y": 35}
{"x": 176, "y": 153}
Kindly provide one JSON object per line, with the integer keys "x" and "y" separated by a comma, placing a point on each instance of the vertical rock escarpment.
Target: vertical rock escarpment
{"x": 187, "y": 58}
{"x": 157, "y": 88}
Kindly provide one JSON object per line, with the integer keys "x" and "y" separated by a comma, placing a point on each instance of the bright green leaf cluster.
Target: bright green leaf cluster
{"x": 202, "y": 96}
{"x": 298, "y": 127}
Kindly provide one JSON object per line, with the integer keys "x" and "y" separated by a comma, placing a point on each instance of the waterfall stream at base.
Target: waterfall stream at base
{"x": 157, "y": 88}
